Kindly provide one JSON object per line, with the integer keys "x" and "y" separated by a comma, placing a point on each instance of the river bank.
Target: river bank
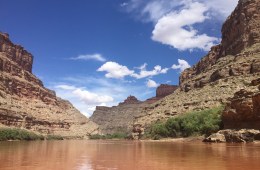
{"x": 222, "y": 136}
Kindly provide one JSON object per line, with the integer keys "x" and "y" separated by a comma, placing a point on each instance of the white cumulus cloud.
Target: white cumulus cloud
{"x": 145, "y": 73}
{"x": 151, "y": 83}
{"x": 97, "y": 57}
{"x": 175, "y": 20}
{"x": 175, "y": 29}
{"x": 83, "y": 99}
{"x": 222, "y": 7}
{"x": 181, "y": 66}
{"x": 65, "y": 87}
{"x": 118, "y": 71}
{"x": 115, "y": 70}
{"x": 92, "y": 98}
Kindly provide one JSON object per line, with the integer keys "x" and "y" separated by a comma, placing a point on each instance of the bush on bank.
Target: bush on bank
{"x": 189, "y": 124}
{"x": 109, "y": 136}
{"x": 18, "y": 134}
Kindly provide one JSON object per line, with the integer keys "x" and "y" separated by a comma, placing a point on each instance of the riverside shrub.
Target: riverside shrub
{"x": 18, "y": 134}
{"x": 159, "y": 130}
{"x": 192, "y": 123}
{"x": 109, "y": 136}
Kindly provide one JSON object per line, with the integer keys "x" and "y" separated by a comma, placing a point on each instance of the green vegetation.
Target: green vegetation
{"x": 109, "y": 136}
{"x": 18, "y": 134}
{"x": 54, "y": 137}
{"x": 189, "y": 124}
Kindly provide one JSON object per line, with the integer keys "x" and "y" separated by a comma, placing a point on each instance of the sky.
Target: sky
{"x": 98, "y": 52}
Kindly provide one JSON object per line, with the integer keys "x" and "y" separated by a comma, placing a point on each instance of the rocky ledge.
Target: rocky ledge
{"x": 243, "y": 109}
{"x": 234, "y": 136}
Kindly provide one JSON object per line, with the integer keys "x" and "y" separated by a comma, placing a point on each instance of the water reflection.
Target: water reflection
{"x": 126, "y": 155}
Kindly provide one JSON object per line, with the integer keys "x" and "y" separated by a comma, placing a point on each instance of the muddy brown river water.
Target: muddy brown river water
{"x": 127, "y": 155}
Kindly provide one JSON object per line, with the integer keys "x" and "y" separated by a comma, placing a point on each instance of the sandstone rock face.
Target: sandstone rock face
{"x": 16, "y": 53}
{"x": 165, "y": 90}
{"x": 243, "y": 110}
{"x": 226, "y": 69}
{"x": 120, "y": 118}
{"x": 26, "y": 103}
{"x": 242, "y": 28}
{"x": 162, "y": 91}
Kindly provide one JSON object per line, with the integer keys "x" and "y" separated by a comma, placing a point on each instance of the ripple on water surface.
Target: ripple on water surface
{"x": 127, "y": 155}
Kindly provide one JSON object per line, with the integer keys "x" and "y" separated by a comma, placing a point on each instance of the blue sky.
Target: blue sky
{"x": 98, "y": 52}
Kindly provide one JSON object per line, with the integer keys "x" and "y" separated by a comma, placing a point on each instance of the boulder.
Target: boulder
{"x": 234, "y": 136}
{"x": 215, "y": 138}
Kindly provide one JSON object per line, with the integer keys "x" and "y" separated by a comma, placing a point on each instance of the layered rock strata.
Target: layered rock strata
{"x": 26, "y": 103}
{"x": 228, "y": 68}
{"x": 243, "y": 110}
{"x": 116, "y": 119}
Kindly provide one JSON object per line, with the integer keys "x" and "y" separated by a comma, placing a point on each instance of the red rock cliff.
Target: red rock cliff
{"x": 15, "y": 53}
{"x": 242, "y": 28}
{"x": 26, "y": 103}
{"x": 240, "y": 31}
{"x": 165, "y": 90}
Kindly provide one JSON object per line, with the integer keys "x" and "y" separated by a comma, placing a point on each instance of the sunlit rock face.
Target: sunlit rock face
{"x": 25, "y": 102}
{"x": 243, "y": 109}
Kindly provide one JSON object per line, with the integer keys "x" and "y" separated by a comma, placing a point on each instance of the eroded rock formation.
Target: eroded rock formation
{"x": 240, "y": 31}
{"x": 120, "y": 118}
{"x": 26, "y": 103}
{"x": 162, "y": 91}
{"x": 130, "y": 100}
{"x": 243, "y": 110}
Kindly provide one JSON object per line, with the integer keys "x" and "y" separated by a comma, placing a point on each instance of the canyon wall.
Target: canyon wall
{"x": 26, "y": 103}
{"x": 228, "y": 68}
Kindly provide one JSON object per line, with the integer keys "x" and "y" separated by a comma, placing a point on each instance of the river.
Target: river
{"x": 127, "y": 155}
